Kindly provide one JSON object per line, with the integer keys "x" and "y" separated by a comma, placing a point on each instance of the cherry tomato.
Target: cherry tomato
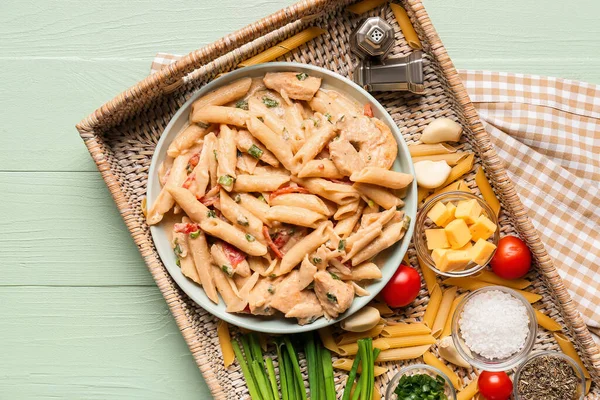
{"x": 403, "y": 288}
{"x": 512, "y": 259}
{"x": 495, "y": 385}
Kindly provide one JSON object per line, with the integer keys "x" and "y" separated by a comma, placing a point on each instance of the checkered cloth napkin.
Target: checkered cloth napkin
{"x": 547, "y": 131}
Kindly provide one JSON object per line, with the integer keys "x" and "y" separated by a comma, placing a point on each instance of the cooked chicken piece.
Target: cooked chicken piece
{"x": 306, "y": 273}
{"x": 288, "y": 293}
{"x": 260, "y": 297}
{"x": 335, "y": 295}
{"x": 345, "y": 157}
{"x": 292, "y": 85}
{"x": 308, "y": 310}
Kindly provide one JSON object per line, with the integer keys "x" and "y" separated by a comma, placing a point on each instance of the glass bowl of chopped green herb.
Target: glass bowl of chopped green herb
{"x": 549, "y": 375}
{"x": 420, "y": 382}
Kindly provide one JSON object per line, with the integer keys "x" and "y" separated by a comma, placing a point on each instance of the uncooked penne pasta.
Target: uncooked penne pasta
{"x": 420, "y": 150}
{"x": 187, "y": 138}
{"x": 306, "y": 201}
{"x": 352, "y": 337}
{"x": 379, "y": 195}
{"x": 322, "y": 168}
{"x": 460, "y": 169}
{"x": 402, "y": 329}
{"x": 568, "y": 348}
{"x": 327, "y": 339}
{"x": 203, "y": 260}
{"x": 351, "y": 349}
{"x": 245, "y": 242}
{"x": 273, "y": 142}
{"x": 345, "y": 364}
{"x": 546, "y": 322}
{"x": 448, "y": 297}
{"x": 247, "y": 143}
{"x": 363, "y": 6}
{"x": 306, "y": 246}
{"x": 240, "y": 216}
{"x": 489, "y": 276}
{"x": 339, "y": 193}
{"x": 469, "y": 391}
{"x": 429, "y": 276}
{"x": 460, "y": 186}
{"x": 225, "y": 343}
{"x": 433, "y": 361}
{"x": 226, "y": 157}
{"x": 382, "y": 177}
{"x": 259, "y": 183}
{"x": 448, "y": 325}
{"x": 403, "y": 353}
{"x": 474, "y": 284}
{"x": 221, "y": 115}
{"x": 223, "y": 95}
{"x": 383, "y": 308}
{"x": 402, "y": 341}
{"x": 406, "y": 26}
{"x": 451, "y": 159}
{"x": 295, "y": 216}
{"x": 486, "y": 191}
{"x": 435, "y": 299}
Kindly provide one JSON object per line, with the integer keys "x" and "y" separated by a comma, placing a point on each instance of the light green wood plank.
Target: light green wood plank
{"x": 64, "y": 229}
{"x": 93, "y": 343}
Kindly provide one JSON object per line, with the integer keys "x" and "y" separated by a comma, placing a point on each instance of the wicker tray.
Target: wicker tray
{"x": 122, "y": 134}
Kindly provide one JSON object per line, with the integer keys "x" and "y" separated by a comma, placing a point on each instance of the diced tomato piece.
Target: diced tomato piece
{"x": 272, "y": 245}
{"x": 282, "y": 237}
{"x": 188, "y": 181}
{"x": 368, "y": 111}
{"x": 234, "y": 255}
{"x": 186, "y": 228}
{"x": 247, "y": 309}
{"x": 288, "y": 189}
{"x": 208, "y": 201}
{"x": 194, "y": 160}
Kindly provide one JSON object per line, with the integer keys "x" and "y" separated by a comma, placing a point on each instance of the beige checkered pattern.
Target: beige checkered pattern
{"x": 547, "y": 131}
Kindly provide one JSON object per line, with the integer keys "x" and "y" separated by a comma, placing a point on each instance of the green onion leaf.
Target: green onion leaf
{"x": 250, "y": 238}
{"x": 243, "y": 104}
{"x": 332, "y": 297}
{"x": 262, "y": 198}
{"x": 194, "y": 235}
{"x": 237, "y": 198}
{"x": 302, "y": 76}
{"x": 342, "y": 245}
{"x": 203, "y": 125}
{"x": 316, "y": 260}
{"x": 334, "y": 276}
{"x": 255, "y": 151}
{"x": 211, "y": 214}
{"x": 225, "y": 180}
{"x": 269, "y": 102}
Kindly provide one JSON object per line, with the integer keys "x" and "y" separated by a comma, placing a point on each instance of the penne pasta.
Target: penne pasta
{"x": 490, "y": 277}
{"x": 244, "y": 242}
{"x": 345, "y": 364}
{"x": 305, "y": 246}
{"x": 448, "y": 325}
{"x": 460, "y": 186}
{"x": 402, "y": 341}
{"x": 240, "y": 216}
{"x": 259, "y": 183}
{"x": 367, "y": 270}
{"x": 257, "y": 207}
{"x": 382, "y": 177}
{"x": 390, "y": 235}
{"x": 441, "y": 316}
{"x": 379, "y": 195}
{"x": 365, "y": 235}
{"x": 323, "y": 168}
{"x": 306, "y": 201}
{"x": 406, "y": 26}
{"x": 474, "y": 284}
{"x": 226, "y": 158}
{"x": 273, "y": 142}
{"x": 353, "y": 337}
{"x": 316, "y": 142}
{"x": 429, "y": 275}
{"x": 383, "y": 308}
{"x": 295, "y": 216}
{"x": 327, "y": 339}
{"x": 225, "y": 343}
{"x": 339, "y": 193}
{"x": 460, "y": 169}
{"x": 451, "y": 159}
{"x": 198, "y": 180}
{"x": 344, "y": 227}
{"x": 435, "y": 299}
{"x": 546, "y": 322}
{"x": 211, "y": 142}
{"x": 197, "y": 211}
{"x": 469, "y": 391}
{"x": 246, "y": 143}
{"x": 223, "y": 95}
{"x": 203, "y": 260}
{"x": 486, "y": 191}
{"x": 420, "y": 150}
{"x": 346, "y": 210}
{"x": 422, "y": 193}
{"x": 351, "y": 349}
{"x": 435, "y": 362}
{"x": 223, "y": 287}
{"x": 283, "y": 47}
{"x": 363, "y": 6}
{"x": 246, "y": 163}
{"x": 404, "y": 353}
{"x": 187, "y": 138}
{"x": 402, "y": 330}
{"x": 221, "y": 115}
{"x": 568, "y": 348}
{"x": 188, "y": 268}
{"x": 270, "y": 119}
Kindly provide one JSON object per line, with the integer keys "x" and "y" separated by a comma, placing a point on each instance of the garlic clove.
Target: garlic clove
{"x": 363, "y": 320}
{"x": 441, "y": 130}
{"x": 431, "y": 174}
{"x": 448, "y": 352}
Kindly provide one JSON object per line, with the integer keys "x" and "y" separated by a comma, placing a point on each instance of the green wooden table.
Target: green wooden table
{"x": 80, "y": 315}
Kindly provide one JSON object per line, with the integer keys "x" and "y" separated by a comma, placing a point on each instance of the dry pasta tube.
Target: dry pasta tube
{"x": 474, "y": 284}
{"x": 460, "y": 169}
{"x": 469, "y": 391}
{"x": 406, "y": 26}
{"x": 567, "y": 347}
{"x": 404, "y": 341}
{"x": 421, "y": 194}
{"x": 420, "y": 150}
{"x": 429, "y": 276}
{"x": 352, "y": 337}
{"x": 351, "y": 349}
{"x": 442, "y": 315}
{"x": 546, "y": 322}
{"x": 401, "y": 330}
{"x": 435, "y": 362}
{"x": 281, "y": 48}
{"x": 435, "y": 299}
{"x": 451, "y": 159}
{"x": 460, "y": 186}
{"x": 405, "y": 353}
{"x": 383, "y": 308}
{"x": 225, "y": 343}
{"x": 327, "y": 339}
{"x": 363, "y": 6}
{"x": 486, "y": 191}
{"x": 345, "y": 364}
{"x": 489, "y": 276}
{"x": 448, "y": 325}
{"x": 376, "y": 393}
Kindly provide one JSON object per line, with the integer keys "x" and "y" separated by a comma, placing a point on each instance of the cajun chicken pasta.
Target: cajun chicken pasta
{"x": 283, "y": 194}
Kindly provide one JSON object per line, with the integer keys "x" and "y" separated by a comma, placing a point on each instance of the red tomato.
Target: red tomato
{"x": 512, "y": 259}
{"x": 234, "y": 255}
{"x": 403, "y": 288}
{"x": 495, "y": 385}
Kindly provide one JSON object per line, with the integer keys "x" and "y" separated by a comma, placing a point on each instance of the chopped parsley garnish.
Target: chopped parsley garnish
{"x": 237, "y": 198}
{"x": 331, "y": 297}
{"x": 342, "y": 245}
{"x": 250, "y": 238}
{"x": 421, "y": 387}
{"x": 194, "y": 235}
{"x": 285, "y": 134}
{"x": 269, "y": 102}
{"x": 203, "y": 125}
{"x": 273, "y": 276}
{"x": 255, "y": 151}
{"x": 225, "y": 180}
{"x": 177, "y": 261}
{"x": 243, "y": 221}
{"x": 243, "y": 104}
{"x": 262, "y": 198}
{"x": 211, "y": 214}
{"x": 334, "y": 276}
{"x": 177, "y": 250}
{"x": 271, "y": 289}
{"x": 371, "y": 203}
{"x": 302, "y": 76}
{"x": 315, "y": 121}
{"x": 316, "y": 260}
{"x": 328, "y": 116}
{"x": 215, "y": 153}
{"x": 369, "y": 158}
{"x": 227, "y": 269}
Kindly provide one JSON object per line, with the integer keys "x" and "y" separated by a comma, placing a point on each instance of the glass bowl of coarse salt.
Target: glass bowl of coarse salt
{"x": 494, "y": 328}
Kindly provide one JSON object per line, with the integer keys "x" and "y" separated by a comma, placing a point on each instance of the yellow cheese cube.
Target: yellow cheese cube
{"x": 467, "y": 246}
{"x": 469, "y": 210}
{"x": 436, "y": 254}
{"x": 453, "y": 260}
{"x": 483, "y": 228}
{"x": 482, "y": 251}
{"x": 458, "y": 233}
{"x": 436, "y": 239}
{"x": 439, "y": 214}
{"x": 451, "y": 209}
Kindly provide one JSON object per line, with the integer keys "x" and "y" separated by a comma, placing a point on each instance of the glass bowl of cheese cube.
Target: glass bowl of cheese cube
{"x": 456, "y": 234}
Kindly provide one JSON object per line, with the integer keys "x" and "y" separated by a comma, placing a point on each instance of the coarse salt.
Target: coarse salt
{"x": 494, "y": 324}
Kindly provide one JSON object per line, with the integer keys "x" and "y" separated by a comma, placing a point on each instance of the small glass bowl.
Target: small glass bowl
{"x": 419, "y": 369}
{"x": 578, "y": 371}
{"x": 423, "y": 223}
{"x": 484, "y": 363}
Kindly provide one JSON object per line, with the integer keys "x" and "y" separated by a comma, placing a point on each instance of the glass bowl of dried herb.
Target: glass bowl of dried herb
{"x": 549, "y": 375}
{"x": 420, "y": 382}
